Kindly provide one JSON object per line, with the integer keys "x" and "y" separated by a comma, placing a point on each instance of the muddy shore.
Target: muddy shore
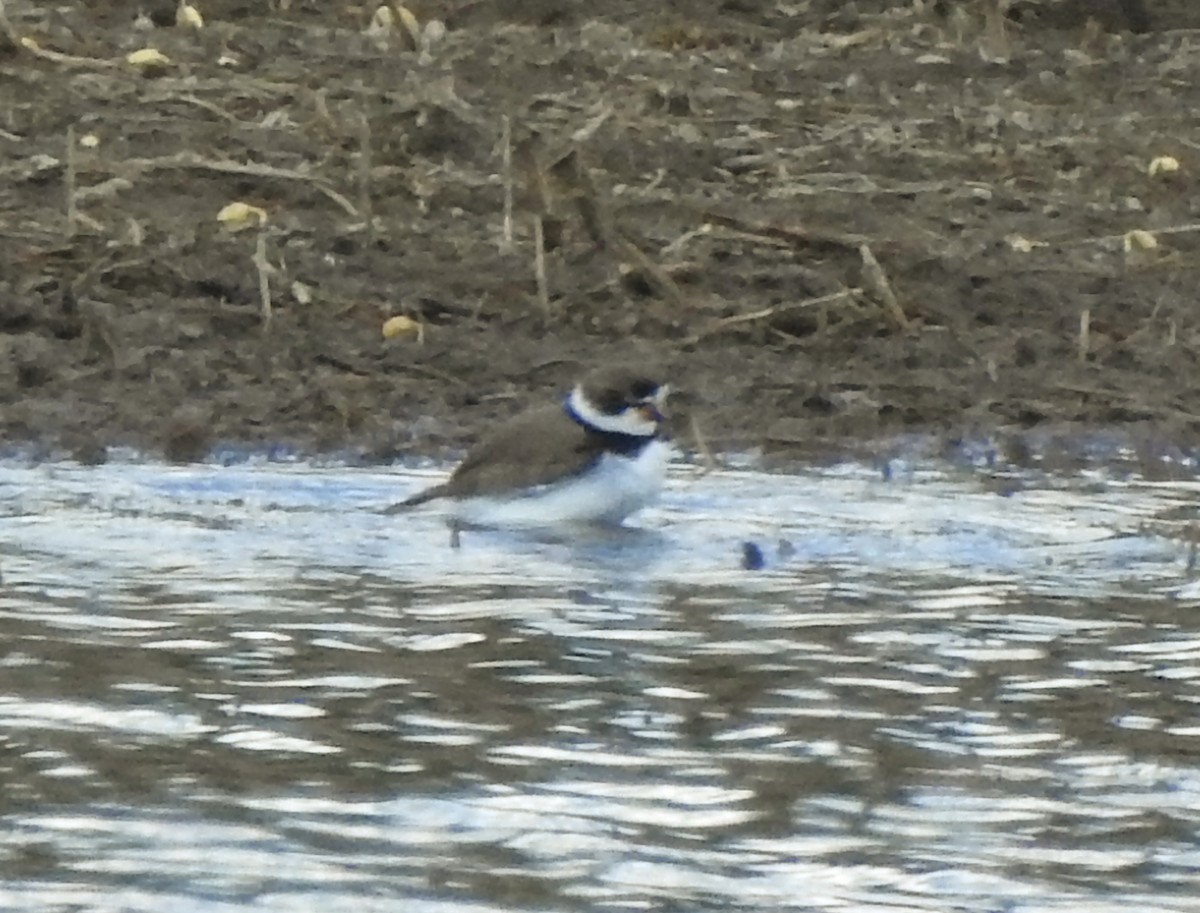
{"x": 831, "y": 222}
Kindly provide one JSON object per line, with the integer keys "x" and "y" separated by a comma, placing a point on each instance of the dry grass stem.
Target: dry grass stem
{"x": 572, "y": 179}
{"x": 736, "y": 320}
{"x": 876, "y": 280}
{"x": 588, "y": 130}
{"x": 539, "y": 264}
{"x": 8, "y": 35}
{"x": 685, "y": 239}
{"x": 189, "y": 99}
{"x": 659, "y": 279}
{"x": 525, "y": 158}
{"x": 708, "y": 461}
{"x": 994, "y": 42}
{"x": 1085, "y": 333}
{"x": 506, "y": 172}
{"x": 192, "y": 161}
{"x": 69, "y": 180}
{"x": 364, "y": 175}
{"x": 797, "y": 237}
{"x": 1185, "y": 228}
{"x": 98, "y": 63}
{"x": 1135, "y": 400}
{"x": 263, "y": 269}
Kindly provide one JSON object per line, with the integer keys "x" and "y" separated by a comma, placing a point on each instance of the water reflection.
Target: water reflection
{"x": 223, "y": 688}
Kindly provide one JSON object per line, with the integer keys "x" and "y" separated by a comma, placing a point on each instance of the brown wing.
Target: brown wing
{"x": 532, "y": 449}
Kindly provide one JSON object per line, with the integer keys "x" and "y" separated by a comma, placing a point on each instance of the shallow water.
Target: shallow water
{"x": 245, "y": 687}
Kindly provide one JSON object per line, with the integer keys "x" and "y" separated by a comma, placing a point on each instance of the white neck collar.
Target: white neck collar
{"x": 629, "y": 422}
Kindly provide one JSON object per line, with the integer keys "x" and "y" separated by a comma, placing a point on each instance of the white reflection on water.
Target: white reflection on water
{"x": 238, "y": 687}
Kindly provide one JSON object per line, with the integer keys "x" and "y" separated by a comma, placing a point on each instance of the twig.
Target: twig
{"x": 725, "y": 323}
{"x": 191, "y": 99}
{"x": 69, "y": 183}
{"x": 1110, "y": 395}
{"x": 320, "y": 102}
{"x": 99, "y": 63}
{"x": 1109, "y": 239}
{"x": 187, "y": 159}
{"x": 653, "y": 273}
{"x": 574, "y": 180}
{"x": 686, "y": 238}
{"x": 877, "y": 281}
{"x": 364, "y": 175}
{"x": 506, "y": 171}
{"x": 797, "y": 237}
{"x": 8, "y": 35}
{"x": 263, "y": 268}
{"x": 706, "y": 455}
{"x": 432, "y": 373}
{"x": 539, "y": 263}
{"x": 104, "y": 190}
{"x": 525, "y": 158}
{"x": 588, "y": 130}
{"x": 1085, "y": 326}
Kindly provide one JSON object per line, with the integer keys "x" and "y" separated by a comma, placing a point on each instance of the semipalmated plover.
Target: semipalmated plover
{"x": 596, "y": 459}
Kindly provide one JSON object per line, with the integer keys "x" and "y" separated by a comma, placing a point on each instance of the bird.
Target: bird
{"x": 595, "y": 459}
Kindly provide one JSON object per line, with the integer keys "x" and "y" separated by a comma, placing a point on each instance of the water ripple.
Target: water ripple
{"x": 247, "y": 687}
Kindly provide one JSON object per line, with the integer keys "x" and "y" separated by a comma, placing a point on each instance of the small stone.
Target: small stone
{"x": 752, "y": 557}
{"x": 188, "y": 438}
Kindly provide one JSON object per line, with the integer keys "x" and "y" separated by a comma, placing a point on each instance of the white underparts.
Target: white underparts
{"x": 608, "y": 493}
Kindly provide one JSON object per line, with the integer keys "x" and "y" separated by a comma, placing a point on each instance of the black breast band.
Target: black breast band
{"x": 610, "y": 441}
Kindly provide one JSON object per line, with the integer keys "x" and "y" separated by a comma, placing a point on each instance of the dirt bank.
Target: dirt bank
{"x": 831, "y": 221}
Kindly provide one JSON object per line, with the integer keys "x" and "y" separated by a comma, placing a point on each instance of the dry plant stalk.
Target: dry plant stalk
{"x": 725, "y": 323}
{"x": 506, "y": 171}
{"x": 525, "y": 157}
{"x": 654, "y": 274}
{"x": 877, "y": 281}
{"x": 364, "y": 175}
{"x": 8, "y": 35}
{"x": 709, "y": 462}
{"x": 190, "y": 160}
{"x": 798, "y": 237}
{"x": 994, "y": 42}
{"x": 567, "y": 177}
{"x": 542, "y": 205}
{"x": 69, "y": 181}
{"x": 32, "y": 47}
{"x": 263, "y": 269}
{"x": 1085, "y": 333}
{"x": 573, "y": 180}
{"x": 539, "y": 263}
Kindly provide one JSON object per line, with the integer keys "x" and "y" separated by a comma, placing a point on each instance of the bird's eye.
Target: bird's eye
{"x": 644, "y": 390}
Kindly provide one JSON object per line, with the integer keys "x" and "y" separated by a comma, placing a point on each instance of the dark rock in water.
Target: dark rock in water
{"x": 87, "y": 450}
{"x": 188, "y": 438}
{"x": 786, "y": 549}
{"x": 752, "y": 557}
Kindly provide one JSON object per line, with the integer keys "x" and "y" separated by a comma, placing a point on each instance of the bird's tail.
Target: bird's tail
{"x": 429, "y": 494}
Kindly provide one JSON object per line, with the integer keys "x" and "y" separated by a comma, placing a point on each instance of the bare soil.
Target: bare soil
{"x": 830, "y": 222}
